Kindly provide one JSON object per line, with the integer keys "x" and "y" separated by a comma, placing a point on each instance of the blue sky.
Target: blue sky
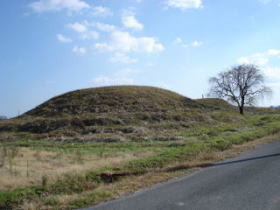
{"x": 49, "y": 47}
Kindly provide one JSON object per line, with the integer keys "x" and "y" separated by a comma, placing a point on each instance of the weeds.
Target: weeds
{"x": 197, "y": 148}
{"x": 8, "y": 154}
{"x": 44, "y": 181}
{"x": 79, "y": 157}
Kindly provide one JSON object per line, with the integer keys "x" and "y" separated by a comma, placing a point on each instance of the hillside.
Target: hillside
{"x": 216, "y": 104}
{"x": 86, "y": 146}
{"x": 113, "y": 100}
{"x": 118, "y": 113}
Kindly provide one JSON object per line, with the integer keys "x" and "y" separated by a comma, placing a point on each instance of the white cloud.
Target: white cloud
{"x": 78, "y": 27}
{"x": 267, "y": 60}
{"x": 112, "y": 81}
{"x": 184, "y": 4}
{"x": 104, "y": 27}
{"x": 124, "y": 42}
{"x": 84, "y": 30}
{"x": 259, "y": 58}
{"x": 90, "y": 35}
{"x": 101, "y": 11}
{"x": 129, "y": 21}
{"x": 121, "y": 77}
{"x": 196, "y": 43}
{"x": 162, "y": 85}
{"x": 272, "y": 72}
{"x": 55, "y": 5}
{"x": 150, "y": 64}
{"x": 274, "y": 85}
{"x": 254, "y": 59}
{"x": 273, "y": 52}
{"x": 273, "y": 75}
{"x": 79, "y": 50}
{"x": 122, "y": 58}
{"x": 126, "y": 72}
{"x": 180, "y": 42}
{"x": 63, "y": 39}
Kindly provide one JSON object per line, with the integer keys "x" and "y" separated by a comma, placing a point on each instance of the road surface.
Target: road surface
{"x": 251, "y": 181}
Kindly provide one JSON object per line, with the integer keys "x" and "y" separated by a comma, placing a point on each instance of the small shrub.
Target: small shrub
{"x": 93, "y": 177}
{"x": 71, "y": 184}
{"x": 44, "y": 181}
{"x": 214, "y": 132}
{"x": 79, "y": 156}
{"x": 51, "y": 202}
{"x": 222, "y": 145}
{"x": 90, "y": 199}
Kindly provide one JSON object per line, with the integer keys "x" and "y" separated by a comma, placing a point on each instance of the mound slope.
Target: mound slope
{"x": 216, "y": 104}
{"x": 114, "y": 99}
{"x": 118, "y": 113}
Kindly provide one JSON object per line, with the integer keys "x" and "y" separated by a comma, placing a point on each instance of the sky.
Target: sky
{"x": 49, "y": 47}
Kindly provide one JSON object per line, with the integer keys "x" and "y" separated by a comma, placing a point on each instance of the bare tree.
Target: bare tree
{"x": 242, "y": 85}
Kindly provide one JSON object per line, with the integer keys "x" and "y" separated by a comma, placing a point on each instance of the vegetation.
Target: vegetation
{"x": 53, "y": 159}
{"x": 242, "y": 85}
{"x": 116, "y": 114}
{"x": 3, "y": 117}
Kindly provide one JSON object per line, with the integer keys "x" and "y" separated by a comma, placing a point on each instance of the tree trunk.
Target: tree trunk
{"x": 241, "y": 110}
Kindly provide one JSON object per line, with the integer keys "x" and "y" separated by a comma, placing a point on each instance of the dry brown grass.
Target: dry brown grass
{"x": 29, "y": 166}
{"x": 207, "y": 159}
{"x": 131, "y": 184}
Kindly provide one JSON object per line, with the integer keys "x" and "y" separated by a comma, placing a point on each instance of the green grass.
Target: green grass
{"x": 112, "y": 99}
{"x": 218, "y": 138}
{"x": 94, "y": 196}
{"x": 121, "y": 120}
{"x": 119, "y": 113}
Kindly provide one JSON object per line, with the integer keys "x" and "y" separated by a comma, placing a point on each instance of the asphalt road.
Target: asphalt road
{"x": 251, "y": 181}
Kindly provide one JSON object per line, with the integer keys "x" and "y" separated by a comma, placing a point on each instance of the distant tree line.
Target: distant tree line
{"x": 2, "y": 117}
{"x": 275, "y": 107}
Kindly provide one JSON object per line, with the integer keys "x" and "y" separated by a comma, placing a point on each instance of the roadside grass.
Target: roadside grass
{"x": 24, "y": 166}
{"x": 129, "y": 184}
{"x": 158, "y": 159}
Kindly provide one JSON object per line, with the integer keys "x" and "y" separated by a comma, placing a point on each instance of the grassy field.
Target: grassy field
{"x": 89, "y": 146}
{"x": 116, "y": 114}
{"x": 63, "y": 175}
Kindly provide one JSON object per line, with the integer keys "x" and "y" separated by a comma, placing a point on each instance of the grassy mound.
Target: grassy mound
{"x": 113, "y": 99}
{"x": 222, "y": 105}
{"x": 118, "y": 113}
{"x": 216, "y": 104}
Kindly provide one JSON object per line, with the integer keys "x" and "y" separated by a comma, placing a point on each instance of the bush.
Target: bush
{"x": 71, "y": 184}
